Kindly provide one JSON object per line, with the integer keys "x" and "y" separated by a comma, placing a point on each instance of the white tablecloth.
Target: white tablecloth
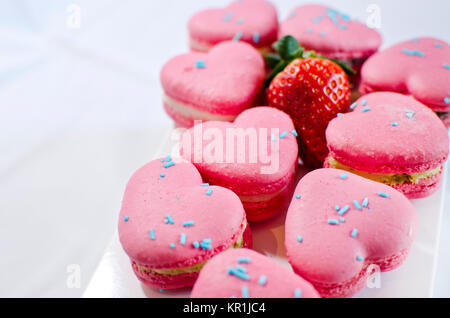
{"x": 80, "y": 110}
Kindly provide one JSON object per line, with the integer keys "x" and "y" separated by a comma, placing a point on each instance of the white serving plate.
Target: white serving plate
{"x": 415, "y": 278}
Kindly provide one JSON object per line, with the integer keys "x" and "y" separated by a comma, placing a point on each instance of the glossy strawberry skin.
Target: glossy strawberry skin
{"x": 312, "y": 91}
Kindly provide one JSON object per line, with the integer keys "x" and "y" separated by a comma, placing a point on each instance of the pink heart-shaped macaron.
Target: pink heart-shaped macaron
{"x": 170, "y": 223}
{"x": 330, "y": 32}
{"x": 255, "y": 157}
{"x": 243, "y": 273}
{"x": 217, "y": 85}
{"x": 419, "y": 67}
{"x": 390, "y": 138}
{"x": 251, "y": 21}
{"x": 340, "y": 224}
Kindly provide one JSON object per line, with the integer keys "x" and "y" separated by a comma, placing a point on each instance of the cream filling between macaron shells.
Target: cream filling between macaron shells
{"x": 189, "y": 111}
{"x": 193, "y": 268}
{"x": 387, "y": 178}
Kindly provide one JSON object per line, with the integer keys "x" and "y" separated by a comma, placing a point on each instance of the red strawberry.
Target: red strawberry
{"x": 312, "y": 90}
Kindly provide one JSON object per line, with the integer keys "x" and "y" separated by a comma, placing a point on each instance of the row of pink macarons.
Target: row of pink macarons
{"x": 179, "y": 232}
{"x": 178, "y": 214}
{"x": 418, "y": 67}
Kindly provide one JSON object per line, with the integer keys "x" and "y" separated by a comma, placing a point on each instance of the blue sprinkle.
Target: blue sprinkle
{"x": 339, "y": 114}
{"x": 359, "y": 258}
{"x": 353, "y": 106}
{"x": 182, "y": 239}
{"x": 344, "y": 210}
{"x": 292, "y": 14}
{"x": 342, "y": 220}
{"x": 200, "y": 64}
{"x": 256, "y": 37}
{"x": 237, "y": 37}
{"x": 238, "y": 274}
{"x": 241, "y": 269}
{"x": 354, "y": 233}
{"x": 337, "y": 207}
{"x": 299, "y": 238}
{"x": 208, "y": 192}
{"x": 162, "y": 175}
{"x": 272, "y": 137}
{"x": 343, "y": 176}
{"x": 196, "y": 244}
{"x": 294, "y": 133}
{"x": 318, "y": 19}
{"x": 168, "y": 158}
{"x": 345, "y": 17}
{"x": 447, "y": 66}
{"x": 152, "y": 234}
{"x": 438, "y": 45}
{"x": 205, "y": 184}
{"x": 207, "y": 240}
{"x": 342, "y": 27}
{"x": 297, "y": 196}
{"x": 172, "y": 245}
{"x": 240, "y": 21}
{"x": 244, "y": 260}
{"x": 365, "y": 109}
{"x": 323, "y": 34}
{"x": 283, "y": 135}
{"x": 206, "y": 244}
{"x": 245, "y": 293}
{"x": 226, "y": 18}
{"x": 415, "y": 40}
{"x": 161, "y": 290}
{"x": 447, "y": 100}
{"x": 126, "y": 218}
{"x": 394, "y": 124}
{"x": 357, "y": 205}
{"x": 413, "y": 52}
{"x": 363, "y": 102}
{"x": 162, "y": 160}
{"x": 169, "y": 219}
{"x": 169, "y": 164}
{"x": 188, "y": 223}
{"x": 333, "y": 222}
{"x": 309, "y": 31}
{"x": 383, "y": 194}
{"x": 262, "y": 280}
{"x": 410, "y": 114}
{"x": 297, "y": 293}
{"x": 365, "y": 202}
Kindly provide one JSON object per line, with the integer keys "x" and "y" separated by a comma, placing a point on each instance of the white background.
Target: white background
{"x": 80, "y": 110}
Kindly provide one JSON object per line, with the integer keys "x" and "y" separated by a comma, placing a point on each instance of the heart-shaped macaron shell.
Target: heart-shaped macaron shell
{"x": 243, "y": 273}
{"x": 217, "y": 85}
{"x": 340, "y": 224}
{"x": 251, "y": 21}
{"x": 419, "y": 67}
{"x": 330, "y": 32}
{"x": 393, "y": 135}
{"x": 170, "y": 223}
{"x": 255, "y": 157}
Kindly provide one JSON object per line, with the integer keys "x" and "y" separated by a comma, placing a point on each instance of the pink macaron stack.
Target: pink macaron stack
{"x": 244, "y": 273}
{"x": 341, "y": 224}
{"x": 218, "y": 85}
{"x": 237, "y": 21}
{"x": 393, "y": 139}
{"x": 422, "y": 70}
{"x": 184, "y": 221}
{"x": 259, "y": 157}
{"x": 332, "y": 33}
{"x": 171, "y": 223}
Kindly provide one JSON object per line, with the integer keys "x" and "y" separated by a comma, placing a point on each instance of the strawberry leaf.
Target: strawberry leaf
{"x": 288, "y": 48}
{"x": 272, "y": 60}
